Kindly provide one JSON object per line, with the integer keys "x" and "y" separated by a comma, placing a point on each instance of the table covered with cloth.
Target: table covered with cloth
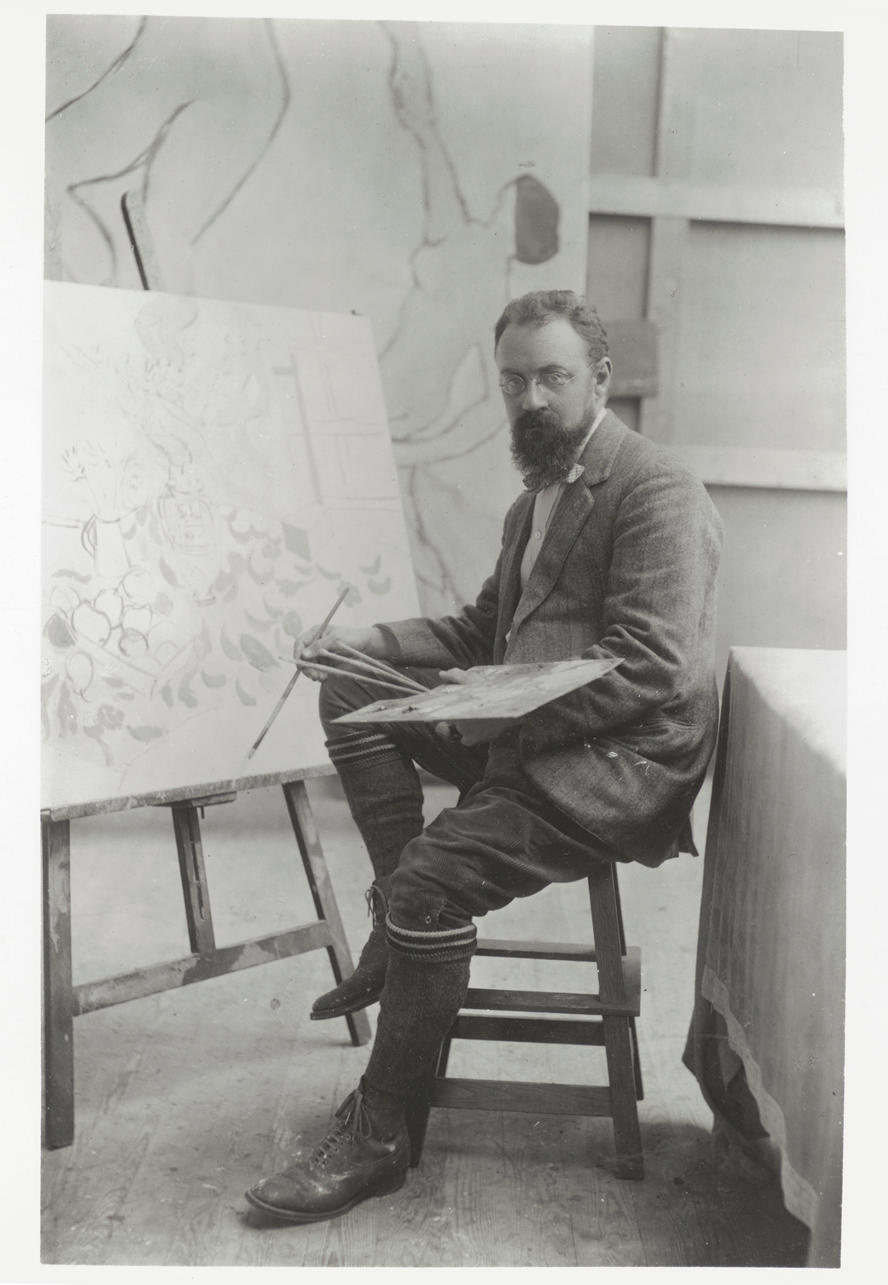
{"x": 766, "y": 1040}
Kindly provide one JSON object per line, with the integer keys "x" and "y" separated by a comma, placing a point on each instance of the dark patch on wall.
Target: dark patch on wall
{"x": 536, "y": 221}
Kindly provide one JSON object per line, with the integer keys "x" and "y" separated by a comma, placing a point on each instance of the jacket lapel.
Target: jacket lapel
{"x": 568, "y": 520}
{"x": 510, "y": 578}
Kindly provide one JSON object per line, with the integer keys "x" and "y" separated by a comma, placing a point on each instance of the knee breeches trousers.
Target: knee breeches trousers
{"x": 501, "y": 840}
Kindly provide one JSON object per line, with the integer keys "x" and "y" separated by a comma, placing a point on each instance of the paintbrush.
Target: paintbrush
{"x": 353, "y": 673}
{"x": 290, "y": 685}
{"x": 355, "y": 661}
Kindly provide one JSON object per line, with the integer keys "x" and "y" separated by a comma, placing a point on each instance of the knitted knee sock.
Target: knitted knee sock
{"x": 383, "y": 792}
{"x": 425, "y": 985}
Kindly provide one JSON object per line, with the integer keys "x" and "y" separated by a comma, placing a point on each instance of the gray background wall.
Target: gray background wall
{"x": 716, "y": 197}
{"x": 705, "y": 165}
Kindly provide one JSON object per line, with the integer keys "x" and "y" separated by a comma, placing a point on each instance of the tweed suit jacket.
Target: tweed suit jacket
{"x": 626, "y": 571}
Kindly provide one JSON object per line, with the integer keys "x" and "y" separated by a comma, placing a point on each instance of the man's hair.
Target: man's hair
{"x": 540, "y": 306}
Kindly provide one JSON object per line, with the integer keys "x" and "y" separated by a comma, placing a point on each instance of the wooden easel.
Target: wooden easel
{"x": 63, "y": 1001}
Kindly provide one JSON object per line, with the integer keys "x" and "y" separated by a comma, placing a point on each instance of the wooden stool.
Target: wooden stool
{"x": 606, "y": 1018}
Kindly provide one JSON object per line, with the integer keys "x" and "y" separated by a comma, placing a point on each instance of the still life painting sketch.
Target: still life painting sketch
{"x": 213, "y": 474}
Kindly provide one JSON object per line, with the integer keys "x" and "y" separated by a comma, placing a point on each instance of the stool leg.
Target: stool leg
{"x": 416, "y": 1116}
{"x": 639, "y": 1086}
{"x": 629, "y": 1160}
{"x": 418, "y": 1109}
{"x": 58, "y": 991}
{"x": 607, "y": 926}
{"x": 443, "y": 1058}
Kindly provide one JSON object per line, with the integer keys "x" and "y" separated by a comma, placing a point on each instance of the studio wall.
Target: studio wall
{"x": 418, "y": 174}
{"x": 717, "y": 219}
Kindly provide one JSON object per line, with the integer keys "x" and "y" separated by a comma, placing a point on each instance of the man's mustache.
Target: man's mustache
{"x": 538, "y": 419}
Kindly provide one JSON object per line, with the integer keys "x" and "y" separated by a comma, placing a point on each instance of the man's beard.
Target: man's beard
{"x": 542, "y": 448}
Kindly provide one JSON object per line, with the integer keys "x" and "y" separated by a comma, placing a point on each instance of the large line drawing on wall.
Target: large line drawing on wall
{"x": 183, "y": 129}
{"x": 334, "y": 166}
{"x": 447, "y": 409}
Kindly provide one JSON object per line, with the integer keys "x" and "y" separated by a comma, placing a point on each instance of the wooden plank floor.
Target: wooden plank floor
{"x": 184, "y": 1099}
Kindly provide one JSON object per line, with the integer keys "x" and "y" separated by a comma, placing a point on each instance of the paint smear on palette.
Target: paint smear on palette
{"x": 490, "y": 691}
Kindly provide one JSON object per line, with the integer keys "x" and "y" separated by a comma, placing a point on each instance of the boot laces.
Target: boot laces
{"x": 353, "y": 1122}
{"x": 377, "y": 906}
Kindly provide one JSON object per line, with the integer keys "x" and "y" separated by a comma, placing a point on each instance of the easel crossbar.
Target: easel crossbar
{"x": 90, "y": 996}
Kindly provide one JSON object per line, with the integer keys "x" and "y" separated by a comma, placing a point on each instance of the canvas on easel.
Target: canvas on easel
{"x": 214, "y": 474}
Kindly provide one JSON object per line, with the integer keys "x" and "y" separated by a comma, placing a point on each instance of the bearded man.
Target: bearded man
{"x": 610, "y": 553}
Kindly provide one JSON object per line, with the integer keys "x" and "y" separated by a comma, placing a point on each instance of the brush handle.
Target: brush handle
{"x": 291, "y": 684}
{"x": 359, "y": 661}
{"x": 353, "y": 673}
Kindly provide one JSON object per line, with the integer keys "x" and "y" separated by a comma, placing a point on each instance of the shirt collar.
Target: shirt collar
{"x": 577, "y": 470}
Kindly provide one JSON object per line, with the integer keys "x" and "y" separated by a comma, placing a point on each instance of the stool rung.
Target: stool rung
{"x": 579, "y": 1004}
{"x": 528, "y": 1030}
{"x": 574, "y": 951}
{"x": 521, "y": 1095}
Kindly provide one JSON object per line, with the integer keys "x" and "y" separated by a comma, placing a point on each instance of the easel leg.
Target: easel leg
{"x": 58, "y": 991}
{"x": 194, "y": 877}
{"x": 326, "y": 908}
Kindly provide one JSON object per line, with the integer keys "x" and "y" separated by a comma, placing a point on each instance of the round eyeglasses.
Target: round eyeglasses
{"x": 553, "y": 380}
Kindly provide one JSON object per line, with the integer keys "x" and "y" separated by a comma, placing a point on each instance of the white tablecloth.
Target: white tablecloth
{"x": 768, "y": 1020}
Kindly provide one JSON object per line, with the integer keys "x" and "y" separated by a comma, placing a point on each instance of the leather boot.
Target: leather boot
{"x": 366, "y": 982}
{"x": 366, "y": 1153}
